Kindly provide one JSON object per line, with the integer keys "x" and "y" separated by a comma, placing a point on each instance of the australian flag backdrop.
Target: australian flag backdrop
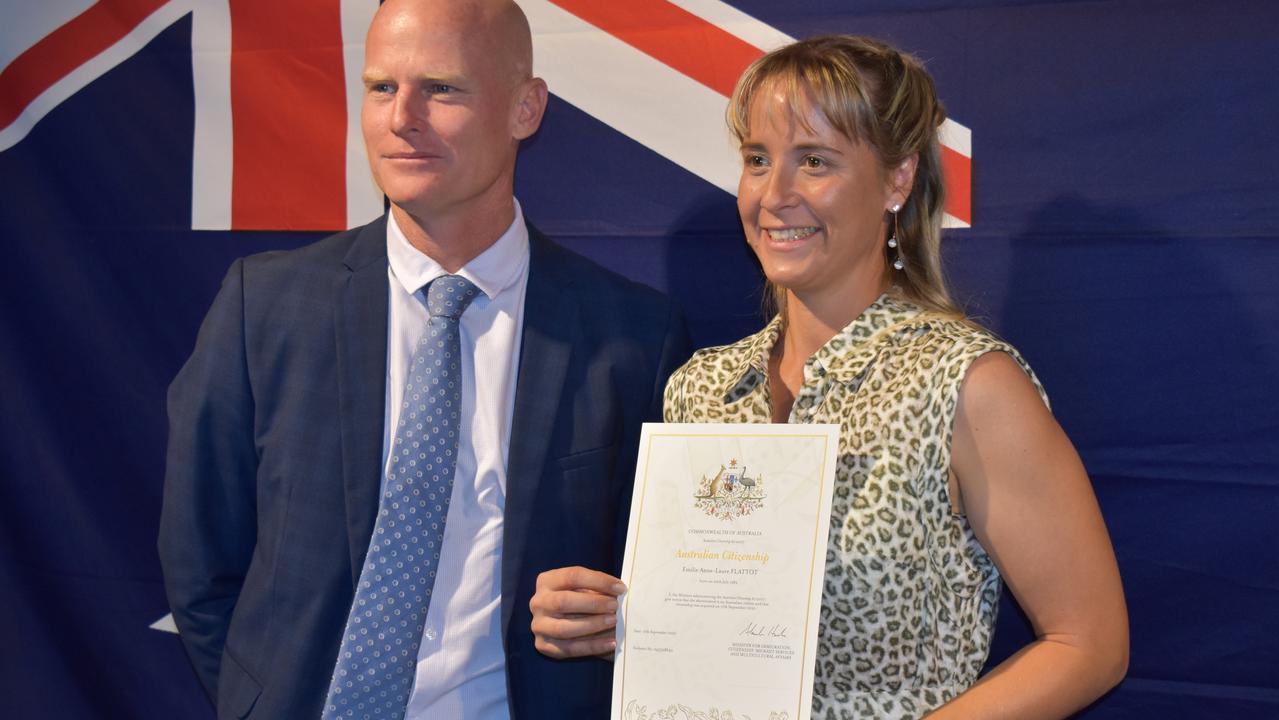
{"x": 1113, "y": 213}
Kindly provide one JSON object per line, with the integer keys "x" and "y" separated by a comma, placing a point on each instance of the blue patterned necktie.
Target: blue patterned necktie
{"x": 378, "y": 658}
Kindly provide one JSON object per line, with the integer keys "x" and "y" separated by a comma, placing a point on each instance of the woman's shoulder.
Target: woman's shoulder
{"x": 957, "y": 344}
{"x": 711, "y": 370}
{"x": 720, "y": 359}
{"x": 946, "y": 334}
{"x": 708, "y": 358}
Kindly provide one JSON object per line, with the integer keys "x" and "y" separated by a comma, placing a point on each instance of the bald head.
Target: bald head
{"x": 448, "y": 96}
{"x": 498, "y": 28}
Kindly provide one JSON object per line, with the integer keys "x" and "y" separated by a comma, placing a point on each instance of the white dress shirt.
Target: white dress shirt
{"x": 461, "y": 668}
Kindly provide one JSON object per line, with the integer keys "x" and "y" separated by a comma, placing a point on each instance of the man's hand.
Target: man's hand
{"x": 574, "y": 613}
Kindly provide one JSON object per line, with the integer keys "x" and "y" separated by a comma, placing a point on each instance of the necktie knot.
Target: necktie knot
{"x": 448, "y": 295}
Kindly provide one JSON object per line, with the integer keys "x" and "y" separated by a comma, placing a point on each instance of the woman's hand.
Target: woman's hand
{"x": 575, "y": 613}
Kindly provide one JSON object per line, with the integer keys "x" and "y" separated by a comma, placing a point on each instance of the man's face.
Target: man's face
{"x": 438, "y": 111}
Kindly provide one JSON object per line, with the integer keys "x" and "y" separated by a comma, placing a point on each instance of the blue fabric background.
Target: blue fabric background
{"x": 1126, "y": 239}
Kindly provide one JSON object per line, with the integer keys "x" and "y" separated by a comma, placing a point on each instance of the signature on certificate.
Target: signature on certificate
{"x": 763, "y": 630}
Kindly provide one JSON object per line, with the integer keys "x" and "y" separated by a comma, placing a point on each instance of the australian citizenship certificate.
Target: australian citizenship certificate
{"x": 725, "y": 557}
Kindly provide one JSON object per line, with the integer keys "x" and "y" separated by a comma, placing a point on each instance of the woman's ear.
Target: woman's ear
{"x": 901, "y": 178}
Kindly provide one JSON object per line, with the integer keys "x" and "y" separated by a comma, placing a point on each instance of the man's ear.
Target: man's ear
{"x": 901, "y": 179}
{"x": 530, "y": 105}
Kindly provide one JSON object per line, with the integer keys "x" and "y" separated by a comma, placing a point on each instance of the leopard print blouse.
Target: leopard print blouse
{"x": 910, "y": 596}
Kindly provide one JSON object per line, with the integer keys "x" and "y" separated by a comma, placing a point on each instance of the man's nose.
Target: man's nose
{"x": 408, "y": 112}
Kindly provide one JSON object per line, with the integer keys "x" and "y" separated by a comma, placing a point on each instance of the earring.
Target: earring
{"x": 898, "y": 264}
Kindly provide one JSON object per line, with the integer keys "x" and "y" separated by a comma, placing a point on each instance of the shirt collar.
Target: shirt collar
{"x": 748, "y": 368}
{"x": 494, "y": 270}
{"x": 843, "y": 357}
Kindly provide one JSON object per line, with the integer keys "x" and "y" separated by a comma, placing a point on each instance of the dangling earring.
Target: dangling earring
{"x": 898, "y": 264}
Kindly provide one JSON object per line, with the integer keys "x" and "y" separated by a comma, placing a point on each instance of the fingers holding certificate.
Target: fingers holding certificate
{"x": 724, "y": 560}
{"x": 575, "y": 612}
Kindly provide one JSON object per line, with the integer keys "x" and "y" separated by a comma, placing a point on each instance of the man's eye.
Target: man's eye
{"x": 813, "y": 162}
{"x": 755, "y": 161}
{"x": 381, "y": 88}
{"x": 440, "y": 89}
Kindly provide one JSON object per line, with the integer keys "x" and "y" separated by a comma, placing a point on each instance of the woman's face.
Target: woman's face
{"x": 813, "y": 202}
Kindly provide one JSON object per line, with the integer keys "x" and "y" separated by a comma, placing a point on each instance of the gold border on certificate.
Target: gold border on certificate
{"x": 825, "y": 442}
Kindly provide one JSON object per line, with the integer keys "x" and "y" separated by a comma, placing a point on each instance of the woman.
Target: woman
{"x": 952, "y": 472}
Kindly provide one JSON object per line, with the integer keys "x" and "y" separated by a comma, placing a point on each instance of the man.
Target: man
{"x": 293, "y": 474}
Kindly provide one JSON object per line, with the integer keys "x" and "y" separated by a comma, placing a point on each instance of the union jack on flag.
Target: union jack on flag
{"x": 277, "y": 143}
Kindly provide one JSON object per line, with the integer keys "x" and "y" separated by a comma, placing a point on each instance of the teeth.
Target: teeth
{"x": 791, "y": 233}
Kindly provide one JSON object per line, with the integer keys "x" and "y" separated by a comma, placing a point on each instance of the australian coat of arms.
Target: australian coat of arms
{"x": 730, "y": 493}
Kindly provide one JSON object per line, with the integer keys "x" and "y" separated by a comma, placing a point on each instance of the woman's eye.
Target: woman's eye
{"x": 755, "y": 161}
{"x": 813, "y": 162}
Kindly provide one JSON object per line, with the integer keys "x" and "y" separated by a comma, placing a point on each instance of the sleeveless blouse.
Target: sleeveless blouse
{"x": 910, "y": 596}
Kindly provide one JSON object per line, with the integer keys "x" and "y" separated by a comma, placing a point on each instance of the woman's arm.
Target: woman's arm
{"x": 1030, "y": 503}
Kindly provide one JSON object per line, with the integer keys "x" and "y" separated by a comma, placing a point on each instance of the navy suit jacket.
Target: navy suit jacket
{"x": 274, "y": 464}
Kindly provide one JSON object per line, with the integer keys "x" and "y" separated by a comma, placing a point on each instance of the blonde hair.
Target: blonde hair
{"x": 872, "y": 93}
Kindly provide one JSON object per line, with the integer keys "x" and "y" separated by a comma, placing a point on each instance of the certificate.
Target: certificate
{"x": 725, "y": 557}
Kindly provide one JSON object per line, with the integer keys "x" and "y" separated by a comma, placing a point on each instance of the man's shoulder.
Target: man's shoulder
{"x": 348, "y": 248}
{"x": 589, "y": 278}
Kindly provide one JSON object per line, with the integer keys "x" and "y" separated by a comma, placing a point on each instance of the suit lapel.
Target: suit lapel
{"x": 550, "y": 331}
{"x": 361, "y": 321}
